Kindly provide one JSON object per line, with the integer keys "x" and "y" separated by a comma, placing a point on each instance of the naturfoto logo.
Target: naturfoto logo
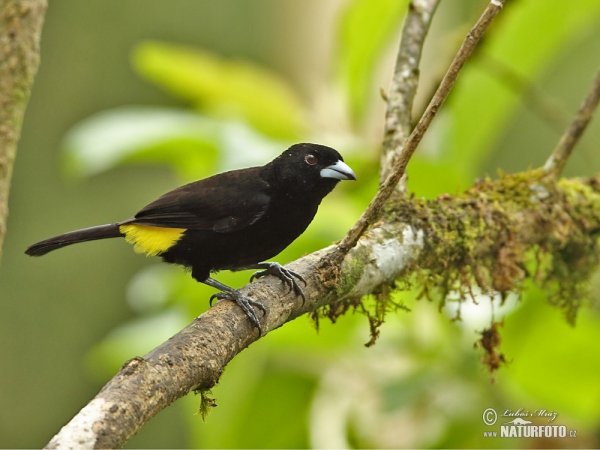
{"x": 521, "y": 427}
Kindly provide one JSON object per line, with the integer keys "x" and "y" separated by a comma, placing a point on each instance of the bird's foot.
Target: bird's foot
{"x": 243, "y": 302}
{"x": 287, "y": 277}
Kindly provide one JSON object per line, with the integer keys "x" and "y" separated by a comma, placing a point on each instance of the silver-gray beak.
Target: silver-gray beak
{"x": 340, "y": 171}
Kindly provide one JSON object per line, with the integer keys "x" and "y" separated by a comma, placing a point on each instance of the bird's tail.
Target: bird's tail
{"x": 87, "y": 234}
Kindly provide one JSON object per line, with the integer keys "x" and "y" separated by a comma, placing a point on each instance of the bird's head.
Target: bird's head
{"x": 310, "y": 168}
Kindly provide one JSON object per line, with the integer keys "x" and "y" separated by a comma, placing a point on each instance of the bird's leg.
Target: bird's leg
{"x": 285, "y": 275}
{"x": 233, "y": 295}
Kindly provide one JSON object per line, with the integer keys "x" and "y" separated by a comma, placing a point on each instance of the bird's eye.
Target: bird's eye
{"x": 310, "y": 159}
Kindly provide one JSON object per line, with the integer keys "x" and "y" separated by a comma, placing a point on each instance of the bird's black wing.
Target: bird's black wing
{"x": 224, "y": 203}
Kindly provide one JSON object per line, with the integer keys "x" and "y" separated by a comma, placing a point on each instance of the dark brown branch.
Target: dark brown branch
{"x": 403, "y": 88}
{"x": 20, "y": 29}
{"x": 558, "y": 159}
{"x": 373, "y": 211}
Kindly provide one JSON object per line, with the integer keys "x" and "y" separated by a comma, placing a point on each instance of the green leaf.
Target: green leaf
{"x": 224, "y": 88}
{"x": 186, "y": 141}
{"x": 365, "y": 29}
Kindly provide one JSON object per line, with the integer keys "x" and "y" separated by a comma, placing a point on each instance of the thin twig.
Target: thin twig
{"x": 404, "y": 83}
{"x": 559, "y": 157}
{"x": 373, "y": 211}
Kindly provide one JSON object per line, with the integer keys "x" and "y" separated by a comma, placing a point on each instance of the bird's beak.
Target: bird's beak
{"x": 340, "y": 171}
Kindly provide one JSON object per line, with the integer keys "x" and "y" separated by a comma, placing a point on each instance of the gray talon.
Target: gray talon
{"x": 286, "y": 276}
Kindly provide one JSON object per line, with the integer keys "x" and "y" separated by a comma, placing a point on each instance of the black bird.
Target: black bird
{"x": 234, "y": 220}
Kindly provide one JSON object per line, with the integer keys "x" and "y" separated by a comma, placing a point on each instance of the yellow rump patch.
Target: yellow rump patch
{"x": 150, "y": 240}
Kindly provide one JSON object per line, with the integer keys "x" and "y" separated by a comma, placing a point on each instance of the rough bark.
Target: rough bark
{"x": 406, "y": 244}
{"x": 486, "y": 237}
{"x": 403, "y": 88}
{"x": 20, "y": 30}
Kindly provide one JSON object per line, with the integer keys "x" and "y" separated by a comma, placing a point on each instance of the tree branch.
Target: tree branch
{"x": 20, "y": 29}
{"x": 419, "y": 237}
{"x": 559, "y": 157}
{"x": 195, "y": 358}
{"x": 373, "y": 211}
{"x": 403, "y": 88}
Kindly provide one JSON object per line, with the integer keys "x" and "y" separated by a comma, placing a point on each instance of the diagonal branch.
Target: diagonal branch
{"x": 373, "y": 211}
{"x": 194, "y": 358}
{"x": 559, "y": 157}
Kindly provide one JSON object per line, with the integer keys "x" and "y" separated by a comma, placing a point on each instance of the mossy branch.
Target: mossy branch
{"x": 496, "y": 236}
{"x": 194, "y": 358}
{"x": 491, "y": 237}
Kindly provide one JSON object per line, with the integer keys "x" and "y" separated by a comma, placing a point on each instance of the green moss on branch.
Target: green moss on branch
{"x": 500, "y": 233}
{"x": 491, "y": 239}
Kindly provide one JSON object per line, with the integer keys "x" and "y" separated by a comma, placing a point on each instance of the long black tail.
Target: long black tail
{"x": 87, "y": 234}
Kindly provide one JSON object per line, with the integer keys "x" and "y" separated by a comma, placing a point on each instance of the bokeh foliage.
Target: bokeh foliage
{"x": 422, "y": 384}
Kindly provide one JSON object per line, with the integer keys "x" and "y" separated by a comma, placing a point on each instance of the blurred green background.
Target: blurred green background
{"x": 135, "y": 97}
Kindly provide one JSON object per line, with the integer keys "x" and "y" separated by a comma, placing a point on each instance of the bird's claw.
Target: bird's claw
{"x": 285, "y": 275}
{"x": 243, "y": 302}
